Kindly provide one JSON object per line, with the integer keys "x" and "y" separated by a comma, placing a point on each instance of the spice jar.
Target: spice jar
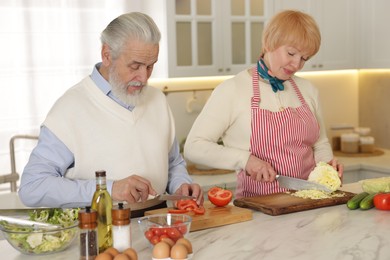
{"x": 88, "y": 234}
{"x": 121, "y": 231}
{"x": 350, "y": 143}
{"x": 367, "y": 144}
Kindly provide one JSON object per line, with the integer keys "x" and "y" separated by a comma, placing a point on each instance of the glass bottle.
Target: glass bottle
{"x": 102, "y": 203}
{"x": 88, "y": 234}
{"x": 121, "y": 232}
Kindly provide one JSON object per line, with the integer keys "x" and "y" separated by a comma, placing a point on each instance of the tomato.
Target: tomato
{"x": 382, "y": 201}
{"x": 157, "y": 231}
{"x": 187, "y": 206}
{"x": 154, "y": 240}
{"x": 149, "y": 234}
{"x": 219, "y": 197}
{"x": 177, "y": 211}
{"x": 200, "y": 210}
{"x": 181, "y": 226}
{"x": 174, "y": 234}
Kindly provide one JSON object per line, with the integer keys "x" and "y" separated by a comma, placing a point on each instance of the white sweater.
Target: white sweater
{"x": 227, "y": 114}
{"x": 105, "y": 136}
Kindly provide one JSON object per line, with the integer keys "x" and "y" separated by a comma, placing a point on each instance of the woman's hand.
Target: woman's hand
{"x": 259, "y": 170}
{"x": 338, "y": 167}
{"x": 132, "y": 189}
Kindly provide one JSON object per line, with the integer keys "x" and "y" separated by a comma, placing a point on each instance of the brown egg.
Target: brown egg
{"x": 131, "y": 253}
{"x": 179, "y": 251}
{"x": 185, "y": 242}
{"x": 169, "y": 241}
{"x": 122, "y": 257}
{"x": 112, "y": 251}
{"x": 104, "y": 256}
{"x": 161, "y": 250}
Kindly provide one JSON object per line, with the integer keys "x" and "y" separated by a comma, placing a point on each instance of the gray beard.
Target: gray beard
{"x": 119, "y": 89}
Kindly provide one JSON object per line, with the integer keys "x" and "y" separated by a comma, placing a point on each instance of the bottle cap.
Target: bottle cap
{"x": 87, "y": 218}
{"x": 101, "y": 173}
{"x": 120, "y": 215}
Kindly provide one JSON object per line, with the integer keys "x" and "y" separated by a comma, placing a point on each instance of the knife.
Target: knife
{"x": 170, "y": 197}
{"x": 299, "y": 184}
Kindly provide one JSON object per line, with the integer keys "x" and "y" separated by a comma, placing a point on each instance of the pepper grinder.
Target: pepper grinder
{"x": 88, "y": 234}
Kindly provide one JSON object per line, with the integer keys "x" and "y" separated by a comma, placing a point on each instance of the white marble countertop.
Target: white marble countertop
{"x": 326, "y": 233}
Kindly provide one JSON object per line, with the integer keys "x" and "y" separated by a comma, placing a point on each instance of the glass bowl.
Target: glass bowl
{"x": 33, "y": 241}
{"x": 37, "y": 240}
{"x": 159, "y": 226}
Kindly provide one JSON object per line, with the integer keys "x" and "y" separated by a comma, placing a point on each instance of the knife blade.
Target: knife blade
{"x": 171, "y": 197}
{"x": 299, "y": 184}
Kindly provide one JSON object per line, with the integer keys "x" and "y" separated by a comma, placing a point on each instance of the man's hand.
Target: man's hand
{"x": 259, "y": 170}
{"x": 193, "y": 189}
{"x": 132, "y": 189}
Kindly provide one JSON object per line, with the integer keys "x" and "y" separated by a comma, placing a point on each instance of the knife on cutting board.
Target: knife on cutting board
{"x": 299, "y": 184}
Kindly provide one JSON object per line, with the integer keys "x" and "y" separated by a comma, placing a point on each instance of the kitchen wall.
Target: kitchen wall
{"x": 374, "y": 104}
{"x": 338, "y": 95}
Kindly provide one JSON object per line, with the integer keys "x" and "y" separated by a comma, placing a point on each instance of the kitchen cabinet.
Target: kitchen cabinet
{"x": 213, "y": 37}
{"x": 374, "y": 38}
{"x": 337, "y": 22}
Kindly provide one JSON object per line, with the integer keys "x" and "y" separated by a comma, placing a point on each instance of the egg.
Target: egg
{"x": 185, "y": 242}
{"x": 161, "y": 250}
{"x": 104, "y": 256}
{"x": 131, "y": 253}
{"x": 122, "y": 257}
{"x": 112, "y": 251}
{"x": 179, "y": 251}
{"x": 169, "y": 241}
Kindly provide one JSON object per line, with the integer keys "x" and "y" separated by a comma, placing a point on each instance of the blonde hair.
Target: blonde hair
{"x": 292, "y": 28}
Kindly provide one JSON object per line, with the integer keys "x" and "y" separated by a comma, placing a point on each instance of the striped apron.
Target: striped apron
{"x": 284, "y": 139}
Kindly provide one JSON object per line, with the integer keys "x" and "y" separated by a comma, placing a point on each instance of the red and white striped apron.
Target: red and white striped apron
{"x": 284, "y": 139}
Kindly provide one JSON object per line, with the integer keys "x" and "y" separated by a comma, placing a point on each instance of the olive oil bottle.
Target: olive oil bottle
{"x": 102, "y": 203}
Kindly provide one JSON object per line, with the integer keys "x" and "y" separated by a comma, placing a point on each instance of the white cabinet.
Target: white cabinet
{"x": 337, "y": 22}
{"x": 213, "y": 37}
{"x": 374, "y": 36}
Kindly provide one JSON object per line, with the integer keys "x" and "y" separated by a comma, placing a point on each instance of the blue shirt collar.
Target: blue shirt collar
{"x": 104, "y": 86}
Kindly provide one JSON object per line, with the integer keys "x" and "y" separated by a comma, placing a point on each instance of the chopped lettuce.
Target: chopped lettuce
{"x": 36, "y": 242}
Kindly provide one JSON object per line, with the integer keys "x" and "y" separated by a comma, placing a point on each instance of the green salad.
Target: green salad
{"x": 40, "y": 241}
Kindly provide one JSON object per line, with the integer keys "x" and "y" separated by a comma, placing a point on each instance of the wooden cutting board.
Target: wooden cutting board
{"x": 214, "y": 216}
{"x": 284, "y": 203}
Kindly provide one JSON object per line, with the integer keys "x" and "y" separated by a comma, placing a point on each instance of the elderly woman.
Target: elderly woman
{"x": 270, "y": 120}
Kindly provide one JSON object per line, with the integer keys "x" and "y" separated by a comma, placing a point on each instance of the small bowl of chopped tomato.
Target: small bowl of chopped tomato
{"x": 165, "y": 227}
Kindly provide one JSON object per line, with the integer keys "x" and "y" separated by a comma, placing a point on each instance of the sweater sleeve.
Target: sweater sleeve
{"x": 217, "y": 116}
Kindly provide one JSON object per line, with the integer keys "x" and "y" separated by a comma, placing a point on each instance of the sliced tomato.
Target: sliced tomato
{"x": 219, "y": 197}
{"x": 187, "y": 206}
{"x": 199, "y": 210}
{"x": 382, "y": 201}
{"x": 177, "y": 211}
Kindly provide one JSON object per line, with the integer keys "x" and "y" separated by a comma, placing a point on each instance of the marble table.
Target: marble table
{"x": 326, "y": 233}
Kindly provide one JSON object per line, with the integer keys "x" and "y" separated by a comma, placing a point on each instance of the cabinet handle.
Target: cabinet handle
{"x": 320, "y": 65}
{"x": 220, "y": 70}
{"x": 227, "y": 69}
{"x": 314, "y": 66}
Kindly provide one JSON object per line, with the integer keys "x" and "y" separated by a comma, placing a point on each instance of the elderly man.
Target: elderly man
{"x": 111, "y": 120}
